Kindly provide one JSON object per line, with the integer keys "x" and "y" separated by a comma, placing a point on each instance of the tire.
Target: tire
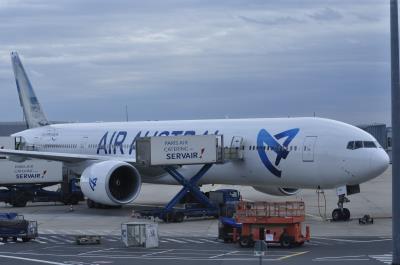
{"x": 14, "y": 239}
{"x": 286, "y": 241}
{"x": 5, "y": 239}
{"x": 179, "y": 217}
{"x": 227, "y": 240}
{"x": 167, "y": 218}
{"x": 346, "y": 214}
{"x": 246, "y": 242}
{"x": 19, "y": 202}
{"x": 337, "y": 215}
{"x": 26, "y": 239}
{"x": 74, "y": 201}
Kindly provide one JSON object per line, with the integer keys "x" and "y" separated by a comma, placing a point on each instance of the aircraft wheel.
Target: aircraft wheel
{"x": 337, "y": 215}
{"x": 346, "y": 214}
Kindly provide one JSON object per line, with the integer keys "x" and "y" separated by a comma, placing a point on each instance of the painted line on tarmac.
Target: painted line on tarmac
{"x": 50, "y": 239}
{"x": 159, "y": 252}
{"x": 193, "y": 241}
{"x": 174, "y": 240}
{"x": 33, "y": 260}
{"x": 293, "y": 255}
{"x": 385, "y": 258}
{"x": 251, "y": 257}
{"x": 209, "y": 241}
{"x": 39, "y": 241}
{"x": 352, "y": 240}
{"x": 60, "y": 238}
{"x": 320, "y": 243}
{"x": 341, "y": 258}
{"x": 223, "y": 254}
{"x": 94, "y": 251}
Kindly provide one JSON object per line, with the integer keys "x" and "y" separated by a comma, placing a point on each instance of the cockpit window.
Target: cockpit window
{"x": 350, "y": 145}
{"x": 361, "y": 144}
{"x": 358, "y": 144}
{"x": 369, "y": 144}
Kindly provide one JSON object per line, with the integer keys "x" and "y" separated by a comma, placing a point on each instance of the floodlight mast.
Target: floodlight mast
{"x": 394, "y": 44}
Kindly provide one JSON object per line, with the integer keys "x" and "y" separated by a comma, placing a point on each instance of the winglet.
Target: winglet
{"x": 33, "y": 112}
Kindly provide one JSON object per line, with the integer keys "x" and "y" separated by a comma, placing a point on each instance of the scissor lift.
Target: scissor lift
{"x": 275, "y": 222}
{"x": 146, "y": 148}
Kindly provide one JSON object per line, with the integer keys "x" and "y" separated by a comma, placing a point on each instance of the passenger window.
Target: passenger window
{"x": 350, "y": 145}
{"x": 358, "y": 144}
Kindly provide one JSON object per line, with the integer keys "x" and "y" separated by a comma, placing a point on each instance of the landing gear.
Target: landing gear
{"x": 341, "y": 214}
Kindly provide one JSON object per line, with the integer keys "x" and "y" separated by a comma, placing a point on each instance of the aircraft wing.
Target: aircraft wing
{"x": 18, "y": 155}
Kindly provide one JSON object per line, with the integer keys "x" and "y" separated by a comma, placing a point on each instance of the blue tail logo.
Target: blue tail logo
{"x": 92, "y": 183}
{"x": 272, "y": 141}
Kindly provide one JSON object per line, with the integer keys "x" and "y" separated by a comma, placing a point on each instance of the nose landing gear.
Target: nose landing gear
{"x": 343, "y": 214}
{"x": 340, "y": 213}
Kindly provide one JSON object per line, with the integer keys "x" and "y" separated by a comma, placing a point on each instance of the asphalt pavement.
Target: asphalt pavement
{"x": 62, "y": 249}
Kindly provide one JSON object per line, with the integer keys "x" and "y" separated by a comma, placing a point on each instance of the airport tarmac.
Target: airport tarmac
{"x": 195, "y": 240}
{"x": 59, "y": 249}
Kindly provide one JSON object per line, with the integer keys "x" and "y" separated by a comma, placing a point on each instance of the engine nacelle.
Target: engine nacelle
{"x": 111, "y": 182}
{"x": 277, "y": 191}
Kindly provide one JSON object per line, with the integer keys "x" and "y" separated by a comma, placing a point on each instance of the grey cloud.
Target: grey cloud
{"x": 326, "y": 14}
{"x": 274, "y": 21}
{"x": 198, "y": 59}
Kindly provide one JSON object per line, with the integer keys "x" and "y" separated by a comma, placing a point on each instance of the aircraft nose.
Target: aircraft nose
{"x": 379, "y": 162}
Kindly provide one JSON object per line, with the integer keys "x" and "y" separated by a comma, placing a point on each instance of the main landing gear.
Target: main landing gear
{"x": 341, "y": 214}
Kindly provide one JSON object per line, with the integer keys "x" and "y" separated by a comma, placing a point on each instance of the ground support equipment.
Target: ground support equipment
{"x": 170, "y": 212}
{"x": 366, "y": 220}
{"x": 15, "y": 226}
{"x": 275, "y": 222}
{"x": 87, "y": 240}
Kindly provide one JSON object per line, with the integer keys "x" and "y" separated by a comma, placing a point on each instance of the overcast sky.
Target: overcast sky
{"x": 197, "y": 59}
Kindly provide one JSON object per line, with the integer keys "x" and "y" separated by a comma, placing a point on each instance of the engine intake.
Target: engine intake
{"x": 111, "y": 182}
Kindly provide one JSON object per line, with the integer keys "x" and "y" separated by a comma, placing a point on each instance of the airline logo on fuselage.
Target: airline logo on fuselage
{"x": 272, "y": 142}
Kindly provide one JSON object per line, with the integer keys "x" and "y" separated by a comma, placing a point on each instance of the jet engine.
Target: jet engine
{"x": 111, "y": 182}
{"x": 277, "y": 191}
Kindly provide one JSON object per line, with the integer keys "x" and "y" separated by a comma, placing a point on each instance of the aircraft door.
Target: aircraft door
{"x": 308, "y": 148}
{"x": 236, "y": 147}
{"x": 83, "y": 144}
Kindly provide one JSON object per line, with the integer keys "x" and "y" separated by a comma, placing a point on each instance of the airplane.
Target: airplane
{"x": 280, "y": 155}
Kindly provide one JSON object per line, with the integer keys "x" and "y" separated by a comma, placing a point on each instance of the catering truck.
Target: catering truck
{"x": 35, "y": 181}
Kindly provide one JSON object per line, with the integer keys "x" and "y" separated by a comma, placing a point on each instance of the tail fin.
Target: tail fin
{"x": 33, "y": 112}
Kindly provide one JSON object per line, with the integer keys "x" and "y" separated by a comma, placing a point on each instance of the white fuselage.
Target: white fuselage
{"x": 314, "y": 152}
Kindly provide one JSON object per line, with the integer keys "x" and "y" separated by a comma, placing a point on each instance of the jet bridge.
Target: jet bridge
{"x": 170, "y": 152}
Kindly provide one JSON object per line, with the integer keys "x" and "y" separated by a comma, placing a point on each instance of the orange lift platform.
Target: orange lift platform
{"x": 274, "y": 222}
